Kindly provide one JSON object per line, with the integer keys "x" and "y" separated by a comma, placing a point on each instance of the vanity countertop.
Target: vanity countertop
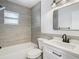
{"x": 72, "y": 47}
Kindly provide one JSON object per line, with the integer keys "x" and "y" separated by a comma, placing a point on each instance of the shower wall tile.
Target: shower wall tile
{"x": 15, "y": 34}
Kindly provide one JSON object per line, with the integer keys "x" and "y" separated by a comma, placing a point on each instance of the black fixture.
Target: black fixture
{"x": 54, "y": 1}
{"x": 68, "y": 40}
{"x": 64, "y": 36}
{"x": 1, "y": 6}
{"x": 65, "y": 39}
{"x": 0, "y": 47}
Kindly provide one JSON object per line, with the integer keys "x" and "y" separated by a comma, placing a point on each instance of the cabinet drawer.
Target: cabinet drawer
{"x": 53, "y": 51}
{"x": 56, "y": 53}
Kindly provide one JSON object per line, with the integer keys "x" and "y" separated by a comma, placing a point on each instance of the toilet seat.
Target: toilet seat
{"x": 34, "y": 53}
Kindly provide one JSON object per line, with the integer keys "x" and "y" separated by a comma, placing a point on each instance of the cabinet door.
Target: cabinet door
{"x": 54, "y": 53}
{"x": 69, "y": 56}
{"x": 51, "y": 55}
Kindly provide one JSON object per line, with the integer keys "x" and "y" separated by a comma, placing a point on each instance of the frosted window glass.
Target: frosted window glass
{"x": 10, "y": 21}
{"x": 11, "y": 17}
{"x": 11, "y": 14}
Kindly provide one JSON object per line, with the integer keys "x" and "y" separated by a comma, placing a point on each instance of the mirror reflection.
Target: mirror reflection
{"x": 66, "y": 18}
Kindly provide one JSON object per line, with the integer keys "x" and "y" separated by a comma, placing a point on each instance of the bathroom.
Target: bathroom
{"x": 29, "y": 29}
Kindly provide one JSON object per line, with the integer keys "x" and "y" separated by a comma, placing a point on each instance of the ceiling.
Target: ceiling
{"x": 27, "y": 3}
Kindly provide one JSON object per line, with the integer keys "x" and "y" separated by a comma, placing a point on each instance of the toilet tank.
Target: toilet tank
{"x": 40, "y": 42}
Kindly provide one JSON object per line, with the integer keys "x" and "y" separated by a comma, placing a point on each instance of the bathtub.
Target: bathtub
{"x": 16, "y": 52}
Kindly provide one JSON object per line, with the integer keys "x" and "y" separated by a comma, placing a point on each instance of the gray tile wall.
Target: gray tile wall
{"x": 15, "y": 34}
{"x": 36, "y": 22}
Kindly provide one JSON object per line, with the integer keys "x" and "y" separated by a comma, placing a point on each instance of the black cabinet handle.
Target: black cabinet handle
{"x": 57, "y": 54}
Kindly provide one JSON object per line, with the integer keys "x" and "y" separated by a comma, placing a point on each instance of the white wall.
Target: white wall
{"x": 46, "y": 16}
{"x": 47, "y": 20}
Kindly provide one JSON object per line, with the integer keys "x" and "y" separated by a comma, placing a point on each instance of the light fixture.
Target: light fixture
{"x": 63, "y": 1}
{"x": 55, "y": 2}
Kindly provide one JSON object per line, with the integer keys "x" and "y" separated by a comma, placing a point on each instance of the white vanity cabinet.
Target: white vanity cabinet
{"x": 55, "y": 53}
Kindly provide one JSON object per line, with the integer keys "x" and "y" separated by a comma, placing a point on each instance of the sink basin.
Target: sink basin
{"x": 72, "y": 47}
{"x": 63, "y": 44}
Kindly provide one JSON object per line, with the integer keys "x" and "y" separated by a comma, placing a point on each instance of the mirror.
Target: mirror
{"x": 66, "y": 18}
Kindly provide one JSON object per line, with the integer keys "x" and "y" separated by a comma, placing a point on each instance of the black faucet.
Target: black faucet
{"x": 65, "y": 39}
{"x": 0, "y": 47}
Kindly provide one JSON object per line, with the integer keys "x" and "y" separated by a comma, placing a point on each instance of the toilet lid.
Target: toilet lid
{"x": 34, "y": 53}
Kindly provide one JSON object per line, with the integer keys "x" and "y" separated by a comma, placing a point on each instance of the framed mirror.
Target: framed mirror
{"x": 66, "y": 18}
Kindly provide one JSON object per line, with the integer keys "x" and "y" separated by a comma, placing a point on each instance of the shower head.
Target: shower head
{"x": 1, "y": 7}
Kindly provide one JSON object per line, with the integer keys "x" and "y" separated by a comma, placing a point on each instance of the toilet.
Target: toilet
{"x": 35, "y": 53}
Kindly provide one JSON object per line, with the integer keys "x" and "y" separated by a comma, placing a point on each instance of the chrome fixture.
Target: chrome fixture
{"x": 1, "y": 7}
{"x": 65, "y": 39}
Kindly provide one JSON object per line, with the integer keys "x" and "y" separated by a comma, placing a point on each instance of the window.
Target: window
{"x": 11, "y": 17}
